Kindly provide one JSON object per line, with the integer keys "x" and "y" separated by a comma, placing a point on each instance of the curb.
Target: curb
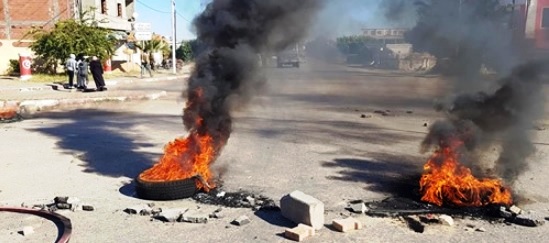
{"x": 112, "y": 82}
{"x": 30, "y": 107}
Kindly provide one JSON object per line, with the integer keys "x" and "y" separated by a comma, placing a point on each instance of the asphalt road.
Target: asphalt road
{"x": 305, "y": 131}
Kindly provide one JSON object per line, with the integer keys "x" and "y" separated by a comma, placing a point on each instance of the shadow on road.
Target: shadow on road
{"x": 389, "y": 174}
{"x": 322, "y": 131}
{"x": 102, "y": 140}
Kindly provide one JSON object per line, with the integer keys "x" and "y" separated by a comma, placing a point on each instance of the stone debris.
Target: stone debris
{"x": 242, "y": 220}
{"x": 138, "y": 209}
{"x": 217, "y": 214}
{"x": 383, "y": 113}
{"x": 302, "y": 208}
{"x": 504, "y": 213}
{"x": 86, "y": 207}
{"x": 250, "y": 200}
{"x": 171, "y": 215}
{"x": 61, "y": 199}
{"x": 299, "y": 233}
{"x": 446, "y": 220}
{"x": 27, "y": 230}
{"x": 192, "y": 216}
{"x": 515, "y": 210}
{"x": 221, "y": 194}
{"x": 347, "y": 224}
{"x": 429, "y": 219}
{"x": 480, "y": 229}
{"x": 359, "y": 208}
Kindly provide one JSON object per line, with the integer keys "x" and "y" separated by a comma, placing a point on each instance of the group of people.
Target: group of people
{"x": 79, "y": 67}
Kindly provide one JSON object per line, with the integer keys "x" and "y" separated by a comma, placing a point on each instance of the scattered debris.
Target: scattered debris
{"x": 425, "y": 124}
{"x": 446, "y": 220}
{"x": 299, "y": 233}
{"x": 347, "y": 224}
{"x": 504, "y": 213}
{"x": 138, "y": 209}
{"x": 383, "y": 113}
{"x": 242, "y": 220}
{"x": 27, "y": 230}
{"x": 480, "y": 229}
{"x": 302, "y": 208}
{"x": 414, "y": 224}
{"x": 409, "y": 112}
{"x": 359, "y": 208}
{"x": 194, "y": 217}
{"x": 217, "y": 214}
{"x": 515, "y": 210}
{"x": 87, "y": 207}
{"x": 235, "y": 199}
{"x": 171, "y": 215}
{"x": 365, "y": 116}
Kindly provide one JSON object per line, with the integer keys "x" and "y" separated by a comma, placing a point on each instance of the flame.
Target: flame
{"x": 183, "y": 159}
{"x": 446, "y": 181}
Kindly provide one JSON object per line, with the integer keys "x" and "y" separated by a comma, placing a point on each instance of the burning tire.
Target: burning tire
{"x": 165, "y": 190}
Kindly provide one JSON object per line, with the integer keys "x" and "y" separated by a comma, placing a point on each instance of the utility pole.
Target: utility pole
{"x": 174, "y": 61}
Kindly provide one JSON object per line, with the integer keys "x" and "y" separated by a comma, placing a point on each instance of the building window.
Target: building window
{"x": 545, "y": 18}
{"x": 104, "y": 6}
{"x": 119, "y": 8}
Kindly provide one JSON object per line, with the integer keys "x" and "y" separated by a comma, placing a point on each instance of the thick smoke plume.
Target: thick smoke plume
{"x": 233, "y": 33}
{"x": 501, "y": 119}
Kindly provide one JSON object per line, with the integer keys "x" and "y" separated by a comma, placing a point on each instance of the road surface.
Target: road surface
{"x": 317, "y": 129}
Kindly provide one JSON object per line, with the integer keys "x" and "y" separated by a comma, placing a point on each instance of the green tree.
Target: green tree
{"x": 185, "y": 51}
{"x": 71, "y": 37}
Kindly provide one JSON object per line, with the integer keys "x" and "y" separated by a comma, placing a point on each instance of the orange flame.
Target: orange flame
{"x": 183, "y": 159}
{"x": 446, "y": 181}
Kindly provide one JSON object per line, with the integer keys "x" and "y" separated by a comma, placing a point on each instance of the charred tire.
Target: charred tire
{"x": 165, "y": 190}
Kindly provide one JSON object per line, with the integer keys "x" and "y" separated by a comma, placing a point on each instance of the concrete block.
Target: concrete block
{"x": 299, "y": 233}
{"x": 347, "y": 224}
{"x": 302, "y": 208}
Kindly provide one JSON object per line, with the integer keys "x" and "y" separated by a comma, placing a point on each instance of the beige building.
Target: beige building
{"x": 17, "y": 17}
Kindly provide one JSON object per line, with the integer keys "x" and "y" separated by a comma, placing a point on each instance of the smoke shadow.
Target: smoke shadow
{"x": 388, "y": 174}
{"x": 102, "y": 140}
{"x": 323, "y": 131}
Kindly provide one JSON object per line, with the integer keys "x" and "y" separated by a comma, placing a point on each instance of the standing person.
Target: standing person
{"x": 70, "y": 66}
{"x": 97, "y": 73}
{"x": 82, "y": 78}
{"x": 145, "y": 62}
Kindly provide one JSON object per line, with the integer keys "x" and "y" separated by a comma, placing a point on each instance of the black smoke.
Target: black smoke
{"x": 497, "y": 122}
{"x": 227, "y": 73}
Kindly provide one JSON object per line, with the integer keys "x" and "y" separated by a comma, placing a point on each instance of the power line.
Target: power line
{"x": 153, "y": 9}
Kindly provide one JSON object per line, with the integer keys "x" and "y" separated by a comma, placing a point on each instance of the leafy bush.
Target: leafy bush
{"x": 14, "y": 67}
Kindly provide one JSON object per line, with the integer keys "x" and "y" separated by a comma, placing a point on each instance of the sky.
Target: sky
{"x": 158, "y": 13}
{"x": 338, "y": 17}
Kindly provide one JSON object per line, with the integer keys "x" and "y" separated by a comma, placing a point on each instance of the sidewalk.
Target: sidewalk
{"x": 27, "y": 98}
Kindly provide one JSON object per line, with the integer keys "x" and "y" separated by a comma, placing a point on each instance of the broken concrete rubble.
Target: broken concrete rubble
{"x": 446, "y": 220}
{"x": 347, "y": 224}
{"x": 138, "y": 209}
{"x": 171, "y": 215}
{"x": 302, "y": 208}
{"x": 359, "y": 207}
{"x": 299, "y": 233}
{"x": 192, "y": 216}
{"x": 242, "y": 220}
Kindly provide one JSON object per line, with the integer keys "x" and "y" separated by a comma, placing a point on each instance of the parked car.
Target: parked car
{"x": 288, "y": 57}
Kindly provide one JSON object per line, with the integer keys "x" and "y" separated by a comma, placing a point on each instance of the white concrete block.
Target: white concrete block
{"x": 302, "y": 208}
